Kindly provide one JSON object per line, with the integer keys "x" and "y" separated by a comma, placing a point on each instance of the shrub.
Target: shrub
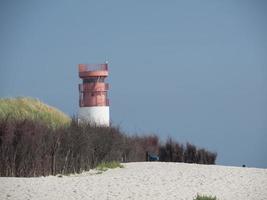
{"x": 37, "y": 140}
{"x": 135, "y": 148}
{"x": 172, "y": 151}
{"x": 190, "y": 153}
{"x": 103, "y": 166}
{"x": 204, "y": 197}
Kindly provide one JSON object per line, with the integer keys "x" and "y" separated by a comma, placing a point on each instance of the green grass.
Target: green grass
{"x": 21, "y": 108}
{"x": 204, "y": 197}
{"x": 108, "y": 165}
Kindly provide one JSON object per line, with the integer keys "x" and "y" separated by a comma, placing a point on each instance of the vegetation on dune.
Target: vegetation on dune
{"x": 204, "y": 197}
{"x": 22, "y": 108}
{"x": 40, "y": 140}
{"x": 173, "y": 151}
{"x": 103, "y": 166}
{"x": 31, "y": 148}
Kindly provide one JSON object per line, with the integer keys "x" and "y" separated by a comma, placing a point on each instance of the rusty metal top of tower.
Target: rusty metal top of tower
{"x": 93, "y": 70}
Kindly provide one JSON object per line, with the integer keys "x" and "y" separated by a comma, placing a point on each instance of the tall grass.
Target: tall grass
{"x": 22, "y": 108}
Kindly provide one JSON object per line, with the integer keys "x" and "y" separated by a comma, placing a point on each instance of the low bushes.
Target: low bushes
{"x": 103, "y": 166}
{"x": 29, "y": 148}
{"x": 204, "y": 197}
{"x": 173, "y": 151}
{"x": 33, "y": 148}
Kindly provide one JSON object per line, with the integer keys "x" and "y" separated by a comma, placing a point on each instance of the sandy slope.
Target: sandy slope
{"x": 144, "y": 181}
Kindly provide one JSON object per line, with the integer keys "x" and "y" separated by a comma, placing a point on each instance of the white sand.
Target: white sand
{"x": 151, "y": 180}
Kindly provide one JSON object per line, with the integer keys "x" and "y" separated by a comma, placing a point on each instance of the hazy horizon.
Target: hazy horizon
{"x": 192, "y": 70}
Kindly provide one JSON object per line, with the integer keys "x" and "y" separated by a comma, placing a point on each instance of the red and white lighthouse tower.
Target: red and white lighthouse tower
{"x": 94, "y": 103}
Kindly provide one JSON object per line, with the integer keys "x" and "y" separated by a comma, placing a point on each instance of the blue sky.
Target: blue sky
{"x": 192, "y": 70}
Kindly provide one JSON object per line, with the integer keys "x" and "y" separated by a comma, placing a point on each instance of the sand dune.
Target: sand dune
{"x": 150, "y": 180}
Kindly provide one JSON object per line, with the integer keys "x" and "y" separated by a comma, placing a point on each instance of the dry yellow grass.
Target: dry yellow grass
{"x": 28, "y": 108}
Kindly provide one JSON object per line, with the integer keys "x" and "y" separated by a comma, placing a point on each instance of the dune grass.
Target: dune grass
{"x": 21, "y": 108}
{"x": 104, "y": 166}
{"x": 204, "y": 197}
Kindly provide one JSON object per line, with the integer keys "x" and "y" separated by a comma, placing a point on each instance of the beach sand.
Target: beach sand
{"x": 144, "y": 180}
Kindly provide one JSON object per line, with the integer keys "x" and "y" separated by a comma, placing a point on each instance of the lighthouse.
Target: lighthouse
{"x": 93, "y": 94}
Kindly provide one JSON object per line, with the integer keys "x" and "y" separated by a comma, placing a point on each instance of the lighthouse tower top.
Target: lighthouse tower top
{"x": 93, "y": 70}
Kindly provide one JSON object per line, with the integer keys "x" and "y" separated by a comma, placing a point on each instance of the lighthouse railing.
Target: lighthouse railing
{"x": 93, "y": 67}
{"x": 93, "y": 87}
